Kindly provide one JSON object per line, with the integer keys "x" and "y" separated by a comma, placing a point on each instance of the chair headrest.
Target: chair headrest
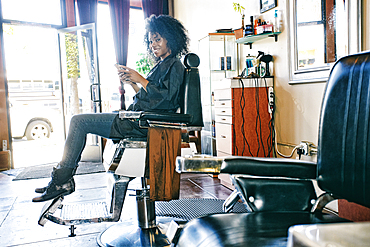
{"x": 191, "y": 60}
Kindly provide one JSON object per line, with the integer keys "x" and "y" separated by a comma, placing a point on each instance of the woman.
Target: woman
{"x": 166, "y": 40}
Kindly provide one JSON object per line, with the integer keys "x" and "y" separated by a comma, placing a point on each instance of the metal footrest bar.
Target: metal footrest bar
{"x": 77, "y": 214}
{"x": 49, "y": 208}
{"x": 85, "y": 213}
{"x": 231, "y": 201}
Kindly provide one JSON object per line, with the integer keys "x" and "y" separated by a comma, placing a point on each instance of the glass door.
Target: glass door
{"x": 33, "y": 75}
{"x": 80, "y": 80}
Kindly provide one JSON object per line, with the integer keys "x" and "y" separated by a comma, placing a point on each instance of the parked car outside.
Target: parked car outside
{"x": 33, "y": 121}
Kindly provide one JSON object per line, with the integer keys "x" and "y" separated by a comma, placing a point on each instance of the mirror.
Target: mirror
{"x": 321, "y": 32}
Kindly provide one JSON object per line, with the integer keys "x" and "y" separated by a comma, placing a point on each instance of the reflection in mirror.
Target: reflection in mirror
{"x": 321, "y": 32}
{"x": 321, "y": 26}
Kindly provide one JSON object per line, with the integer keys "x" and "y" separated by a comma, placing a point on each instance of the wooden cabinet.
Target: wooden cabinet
{"x": 5, "y": 160}
{"x": 243, "y": 122}
{"x": 242, "y": 118}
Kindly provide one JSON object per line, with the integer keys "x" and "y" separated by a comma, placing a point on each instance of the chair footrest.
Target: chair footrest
{"x": 76, "y": 214}
{"x": 84, "y": 211}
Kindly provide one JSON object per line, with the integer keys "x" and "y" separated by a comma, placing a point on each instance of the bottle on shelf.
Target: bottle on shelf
{"x": 213, "y": 128}
{"x": 243, "y": 20}
{"x": 277, "y": 21}
{"x": 255, "y": 26}
{"x": 249, "y": 29}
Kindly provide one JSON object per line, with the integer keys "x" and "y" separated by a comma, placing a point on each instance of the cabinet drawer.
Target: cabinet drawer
{"x": 224, "y": 119}
{"x": 222, "y": 94}
{"x": 223, "y": 103}
{"x": 223, "y": 137}
{"x": 223, "y": 111}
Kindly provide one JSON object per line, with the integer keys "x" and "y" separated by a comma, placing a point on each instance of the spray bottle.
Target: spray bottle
{"x": 277, "y": 21}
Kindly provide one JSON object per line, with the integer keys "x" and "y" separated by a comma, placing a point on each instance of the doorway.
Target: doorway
{"x": 32, "y": 66}
{"x": 52, "y": 75}
{"x": 32, "y": 58}
{"x": 80, "y": 81}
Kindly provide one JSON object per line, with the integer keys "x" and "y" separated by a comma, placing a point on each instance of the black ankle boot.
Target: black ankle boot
{"x": 66, "y": 174}
{"x": 41, "y": 190}
{"x": 62, "y": 183}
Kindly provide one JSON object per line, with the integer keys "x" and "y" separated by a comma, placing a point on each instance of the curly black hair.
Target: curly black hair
{"x": 170, "y": 29}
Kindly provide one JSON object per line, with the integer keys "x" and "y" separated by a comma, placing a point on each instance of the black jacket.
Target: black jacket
{"x": 163, "y": 90}
{"x": 162, "y": 94}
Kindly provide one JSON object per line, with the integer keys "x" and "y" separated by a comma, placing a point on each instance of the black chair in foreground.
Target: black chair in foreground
{"x": 144, "y": 232}
{"x": 279, "y": 193}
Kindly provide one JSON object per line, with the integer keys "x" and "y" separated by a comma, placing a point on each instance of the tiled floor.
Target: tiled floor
{"x": 19, "y": 216}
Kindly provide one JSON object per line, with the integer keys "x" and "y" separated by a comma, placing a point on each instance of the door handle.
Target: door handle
{"x": 94, "y": 93}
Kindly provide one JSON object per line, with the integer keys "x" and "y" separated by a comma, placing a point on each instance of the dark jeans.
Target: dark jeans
{"x": 106, "y": 125}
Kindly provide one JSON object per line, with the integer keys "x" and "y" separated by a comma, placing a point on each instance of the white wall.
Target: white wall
{"x": 297, "y": 106}
{"x": 201, "y": 17}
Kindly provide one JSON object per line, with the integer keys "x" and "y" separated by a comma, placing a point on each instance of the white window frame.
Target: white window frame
{"x": 321, "y": 74}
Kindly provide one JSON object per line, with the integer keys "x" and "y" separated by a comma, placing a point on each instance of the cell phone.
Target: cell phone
{"x": 118, "y": 66}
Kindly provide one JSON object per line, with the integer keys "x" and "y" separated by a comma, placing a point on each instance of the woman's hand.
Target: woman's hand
{"x": 130, "y": 76}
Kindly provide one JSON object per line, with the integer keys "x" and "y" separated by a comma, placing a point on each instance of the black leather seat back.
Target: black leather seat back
{"x": 344, "y": 131}
{"x": 191, "y": 103}
{"x": 277, "y": 194}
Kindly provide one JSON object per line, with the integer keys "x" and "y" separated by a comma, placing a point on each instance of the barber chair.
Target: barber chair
{"x": 143, "y": 232}
{"x": 279, "y": 193}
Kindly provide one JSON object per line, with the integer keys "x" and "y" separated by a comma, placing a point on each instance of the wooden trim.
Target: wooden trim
{"x": 70, "y": 13}
{"x": 330, "y": 32}
{"x": 136, "y": 3}
{"x": 171, "y": 10}
{"x": 5, "y": 160}
{"x": 4, "y": 121}
{"x": 133, "y": 3}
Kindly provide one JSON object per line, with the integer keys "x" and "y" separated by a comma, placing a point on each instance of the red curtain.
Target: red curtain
{"x": 120, "y": 17}
{"x": 87, "y": 10}
{"x": 156, "y": 7}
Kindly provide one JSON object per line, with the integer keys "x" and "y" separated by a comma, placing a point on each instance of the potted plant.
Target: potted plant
{"x": 240, "y": 9}
{"x": 144, "y": 64}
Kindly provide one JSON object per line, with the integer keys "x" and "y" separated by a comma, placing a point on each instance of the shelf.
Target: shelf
{"x": 221, "y": 34}
{"x": 249, "y": 40}
{"x": 223, "y": 70}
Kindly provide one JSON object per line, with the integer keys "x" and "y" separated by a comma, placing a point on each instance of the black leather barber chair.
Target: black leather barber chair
{"x": 279, "y": 193}
{"x": 144, "y": 232}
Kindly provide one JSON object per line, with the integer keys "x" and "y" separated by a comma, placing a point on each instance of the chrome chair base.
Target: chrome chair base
{"x": 128, "y": 233}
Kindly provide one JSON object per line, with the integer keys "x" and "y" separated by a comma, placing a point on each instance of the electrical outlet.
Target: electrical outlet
{"x": 271, "y": 97}
{"x": 5, "y": 145}
{"x": 307, "y": 148}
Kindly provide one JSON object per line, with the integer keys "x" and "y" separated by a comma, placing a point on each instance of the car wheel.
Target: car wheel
{"x": 38, "y": 130}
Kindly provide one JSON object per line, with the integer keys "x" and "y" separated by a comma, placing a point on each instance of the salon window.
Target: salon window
{"x": 320, "y": 34}
{"x": 107, "y": 58}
